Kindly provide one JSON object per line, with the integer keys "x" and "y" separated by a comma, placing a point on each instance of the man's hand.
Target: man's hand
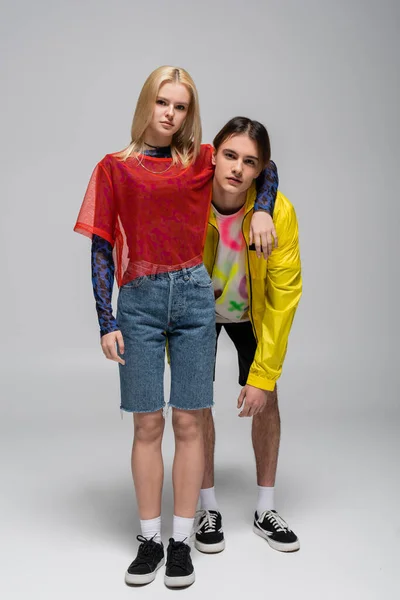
{"x": 262, "y": 230}
{"x": 256, "y": 401}
{"x": 109, "y": 343}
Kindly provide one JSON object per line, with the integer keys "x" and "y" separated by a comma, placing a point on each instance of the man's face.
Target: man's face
{"x": 236, "y": 164}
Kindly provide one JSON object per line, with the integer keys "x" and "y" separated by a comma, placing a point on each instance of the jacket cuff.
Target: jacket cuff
{"x": 261, "y": 382}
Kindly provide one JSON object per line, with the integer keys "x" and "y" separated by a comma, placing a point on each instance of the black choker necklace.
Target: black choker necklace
{"x": 155, "y": 147}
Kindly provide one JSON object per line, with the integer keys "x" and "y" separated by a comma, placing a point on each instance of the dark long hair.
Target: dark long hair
{"x": 256, "y": 132}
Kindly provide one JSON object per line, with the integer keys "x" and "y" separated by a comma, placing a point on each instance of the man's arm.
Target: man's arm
{"x": 282, "y": 294}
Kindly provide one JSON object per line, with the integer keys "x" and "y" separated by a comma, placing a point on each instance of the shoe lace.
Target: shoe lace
{"x": 178, "y": 552}
{"x": 276, "y": 521}
{"x": 206, "y": 519}
{"x": 146, "y": 547}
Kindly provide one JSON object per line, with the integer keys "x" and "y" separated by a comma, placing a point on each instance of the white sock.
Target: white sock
{"x": 151, "y": 528}
{"x": 208, "y": 501}
{"x": 265, "y": 499}
{"x": 182, "y": 529}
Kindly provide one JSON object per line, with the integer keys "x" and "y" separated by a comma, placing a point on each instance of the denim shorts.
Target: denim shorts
{"x": 177, "y": 308}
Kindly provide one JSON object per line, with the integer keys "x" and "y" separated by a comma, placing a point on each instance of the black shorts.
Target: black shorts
{"x": 242, "y": 336}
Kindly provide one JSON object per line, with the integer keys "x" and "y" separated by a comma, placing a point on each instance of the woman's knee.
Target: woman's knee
{"x": 187, "y": 424}
{"x": 149, "y": 427}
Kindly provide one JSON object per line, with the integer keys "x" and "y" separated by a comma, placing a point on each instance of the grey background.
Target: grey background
{"x": 324, "y": 78}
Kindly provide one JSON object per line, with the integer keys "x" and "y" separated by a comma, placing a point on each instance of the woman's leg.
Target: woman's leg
{"x": 147, "y": 462}
{"x": 148, "y": 473}
{"x": 188, "y": 467}
{"x": 142, "y": 316}
{"x": 142, "y": 312}
{"x": 191, "y": 337}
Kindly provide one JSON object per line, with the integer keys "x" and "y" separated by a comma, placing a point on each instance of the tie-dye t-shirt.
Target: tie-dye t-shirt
{"x": 229, "y": 272}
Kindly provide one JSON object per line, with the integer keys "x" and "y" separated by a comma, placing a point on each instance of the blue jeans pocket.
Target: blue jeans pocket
{"x": 201, "y": 278}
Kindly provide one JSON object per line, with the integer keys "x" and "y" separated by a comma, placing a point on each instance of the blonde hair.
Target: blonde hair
{"x": 185, "y": 145}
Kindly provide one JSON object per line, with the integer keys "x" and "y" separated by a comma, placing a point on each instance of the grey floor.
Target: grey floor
{"x": 68, "y": 511}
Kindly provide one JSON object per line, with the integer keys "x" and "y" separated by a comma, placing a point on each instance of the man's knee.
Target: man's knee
{"x": 149, "y": 427}
{"x": 187, "y": 424}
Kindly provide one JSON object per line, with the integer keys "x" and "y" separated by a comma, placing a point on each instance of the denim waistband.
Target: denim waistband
{"x": 184, "y": 273}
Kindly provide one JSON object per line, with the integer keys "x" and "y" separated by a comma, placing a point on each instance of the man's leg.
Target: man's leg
{"x": 266, "y": 438}
{"x": 266, "y": 433}
{"x": 266, "y": 425}
{"x": 208, "y": 500}
{"x": 209, "y": 537}
{"x": 209, "y": 534}
{"x": 209, "y": 447}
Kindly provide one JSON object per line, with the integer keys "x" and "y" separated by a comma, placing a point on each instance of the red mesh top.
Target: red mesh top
{"x": 156, "y": 222}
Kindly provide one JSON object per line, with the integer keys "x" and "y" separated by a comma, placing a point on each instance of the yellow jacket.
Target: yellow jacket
{"x": 274, "y": 288}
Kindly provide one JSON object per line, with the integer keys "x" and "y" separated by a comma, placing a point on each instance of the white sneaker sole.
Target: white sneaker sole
{"x": 292, "y": 547}
{"x": 131, "y": 579}
{"x": 210, "y": 548}
{"x": 178, "y": 582}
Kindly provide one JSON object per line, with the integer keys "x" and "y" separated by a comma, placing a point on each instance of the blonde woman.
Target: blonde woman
{"x": 146, "y": 212}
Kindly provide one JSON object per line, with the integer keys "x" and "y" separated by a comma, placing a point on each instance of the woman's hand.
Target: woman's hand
{"x": 109, "y": 343}
{"x": 262, "y": 230}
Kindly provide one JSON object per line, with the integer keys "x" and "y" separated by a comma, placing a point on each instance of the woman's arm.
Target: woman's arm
{"x": 267, "y": 187}
{"x": 103, "y": 281}
{"x": 262, "y": 229}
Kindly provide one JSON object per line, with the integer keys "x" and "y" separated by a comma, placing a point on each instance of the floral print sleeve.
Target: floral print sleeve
{"x": 267, "y": 186}
{"x": 102, "y": 281}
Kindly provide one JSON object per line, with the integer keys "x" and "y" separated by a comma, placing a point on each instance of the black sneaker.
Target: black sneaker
{"x": 209, "y": 534}
{"x": 273, "y": 528}
{"x": 149, "y": 559}
{"x": 179, "y": 571}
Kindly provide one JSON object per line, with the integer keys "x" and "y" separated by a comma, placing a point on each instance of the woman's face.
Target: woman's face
{"x": 236, "y": 164}
{"x": 170, "y": 111}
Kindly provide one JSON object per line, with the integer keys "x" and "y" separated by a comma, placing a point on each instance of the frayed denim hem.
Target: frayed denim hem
{"x": 166, "y": 409}
{"x": 191, "y": 407}
{"x": 133, "y": 411}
